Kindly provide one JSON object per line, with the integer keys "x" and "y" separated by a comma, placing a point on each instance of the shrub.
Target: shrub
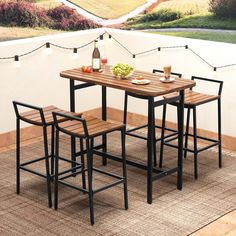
{"x": 223, "y": 8}
{"x": 22, "y": 13}
{"x": 66, "y": 18}
{"x": 164, "y": 15}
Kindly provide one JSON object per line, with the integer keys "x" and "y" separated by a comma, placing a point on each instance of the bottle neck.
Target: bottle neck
{"x": 95, "y": 44}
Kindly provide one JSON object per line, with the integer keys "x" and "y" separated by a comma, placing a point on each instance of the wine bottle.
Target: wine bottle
{"x": 96, "y": 58}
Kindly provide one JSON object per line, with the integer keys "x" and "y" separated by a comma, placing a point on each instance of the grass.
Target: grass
{"x": 11, "y": 33}
{"x": 109, "y": 8}
{"x": 213, "y": 36}
{"x": 195, "y": 21}
{"x": 47, "y": 3}
{"x": 185, "y": 6}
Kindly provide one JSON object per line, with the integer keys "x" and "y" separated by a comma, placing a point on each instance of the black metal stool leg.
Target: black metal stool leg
{"x": 154, "y": 143}
{"x": 73, "y": 154}
{"x": 219, "y": 133}
{"x": 47, "y": 166}
{"x": 162, "y": 135}
{"x": 124, "y": 168}
{"x": 56, "y": 172}
{"x": 83, "y": 164}
{"x": 18, "y": 156}
{"x": 195, "y": 143}
{"x": 187, "y": 133}
{"x": 91, "y": 154}
{"x": 90, "y": 188}
{"x": 52, "y": 149}
{"x": 125, "y": 110}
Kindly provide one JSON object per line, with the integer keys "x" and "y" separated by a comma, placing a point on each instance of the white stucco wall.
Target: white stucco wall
{"x": 37, "y": 81}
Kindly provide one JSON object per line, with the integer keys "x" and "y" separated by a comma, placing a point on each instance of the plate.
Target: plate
{"x": 164, "y": 80}
{"x": 142, "y": 82}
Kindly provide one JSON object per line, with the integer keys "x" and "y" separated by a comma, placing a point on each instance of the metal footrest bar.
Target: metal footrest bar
{"x": 100, "y": 146}
{"x": 170, "y": 139}
{"x": 32, "y": 171}
{"x": 168, "y": 129}
{"x": 128, "y": 162}
{"x": 209, "y": 146}
{"x": 33, "y": 161}
{"x": 68, "y": 160}
{"x": 136, "y": 128}
{"x": 107, "y": 173}
{"x": 215, "y": 143}
{"x": 72, "y": 186}
{"x": 204, "y": 138}
{"x": 108, "y": 186}
{"x": 164, "y": 173}
{"x": 71, "y": 174}
{"x": 68, "y": 170}
{"x": 137, "y": 136}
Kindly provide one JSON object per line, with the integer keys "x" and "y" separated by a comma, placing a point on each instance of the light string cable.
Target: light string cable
{"x": 122, "y": 45}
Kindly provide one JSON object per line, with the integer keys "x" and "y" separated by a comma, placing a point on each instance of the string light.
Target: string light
{"x": 75, "y": 53}
{"x": 101, "y": 41}
{"x": 48, "y": 50}
{"x": 16, "y": 61}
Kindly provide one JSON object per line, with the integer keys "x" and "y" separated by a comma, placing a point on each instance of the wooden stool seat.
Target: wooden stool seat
{"x": 95, "y": 127}
{"x": 35, "y": 117}
{"x": 195, "y": 98}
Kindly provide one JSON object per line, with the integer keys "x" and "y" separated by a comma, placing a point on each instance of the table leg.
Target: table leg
{"x": 150, "y": 148}
{"x": 180, "y": 140}
{"x": 72, "y": 109}
{"x": 104, "y": 117}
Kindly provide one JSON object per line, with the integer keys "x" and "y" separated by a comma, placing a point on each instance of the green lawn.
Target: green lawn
{"x": 109, "y": 8}
{"x": 47, "y": 3}
{"x": 185, "y": 6}
{"x": 213, "y": 36}
{"x": 195, "y": 21}
{"x": 11, "y": 33}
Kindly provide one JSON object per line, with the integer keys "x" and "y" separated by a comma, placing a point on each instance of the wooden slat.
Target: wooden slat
{"x": 195, "y": 98}
{"x": 95, "y": 127}
{"x": 34, "y": 115}
{"x": 105, "y": 78}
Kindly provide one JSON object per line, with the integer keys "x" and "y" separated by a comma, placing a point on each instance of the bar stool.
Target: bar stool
{"x": 40, "y": 117}
{"x": 86, "y": 129}
{"x": 129, "y": 132}
{"x": 192, "y": 101}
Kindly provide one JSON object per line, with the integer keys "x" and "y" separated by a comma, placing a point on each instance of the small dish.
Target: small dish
{"x": 164, "y": 80}
{"x": 142, "y": 82}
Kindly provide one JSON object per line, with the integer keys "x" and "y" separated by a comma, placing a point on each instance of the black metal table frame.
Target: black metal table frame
{"x": 159, "y": 173}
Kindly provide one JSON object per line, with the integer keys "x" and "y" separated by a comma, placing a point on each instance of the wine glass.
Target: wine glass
{"x": 104, "y": 62}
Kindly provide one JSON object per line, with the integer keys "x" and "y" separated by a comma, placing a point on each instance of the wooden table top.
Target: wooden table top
{"x": 105, "y": 78}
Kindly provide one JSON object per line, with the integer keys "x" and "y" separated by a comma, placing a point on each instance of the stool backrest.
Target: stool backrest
{"x": 65, "y": 117}
{"x": 211, "y": 81}
{"x": 17, "y": 105}
{"x": 162, "y": 72}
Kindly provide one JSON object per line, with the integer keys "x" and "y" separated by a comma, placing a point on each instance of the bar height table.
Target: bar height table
{"x": 155, "y": 89}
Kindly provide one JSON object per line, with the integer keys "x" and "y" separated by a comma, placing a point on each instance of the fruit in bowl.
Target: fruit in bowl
{"x": 122, "y": 71}
{"x": 86, "y": 69}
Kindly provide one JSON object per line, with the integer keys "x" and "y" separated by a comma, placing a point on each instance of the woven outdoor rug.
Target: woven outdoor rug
{"x": 173, "y": 212}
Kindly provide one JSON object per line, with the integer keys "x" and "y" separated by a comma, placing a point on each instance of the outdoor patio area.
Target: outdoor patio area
{"x": 173, "y": 212}
{"x": 84, "y": 151}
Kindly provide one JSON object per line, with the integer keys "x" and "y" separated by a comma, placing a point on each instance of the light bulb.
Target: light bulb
{"x": 17, "y": 63}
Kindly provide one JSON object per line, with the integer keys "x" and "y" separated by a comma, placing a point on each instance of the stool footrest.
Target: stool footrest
{"x": 32, "y": 171}
{"x": 71, "y": 174}
{"x": 72, "y": 186}
{"x": 108, "y": 186}
{"x": 69, "y": 170}
{"x": 164, "y": 173}
{"x": 33, "y": 161}
{"x": 107, "y": 173}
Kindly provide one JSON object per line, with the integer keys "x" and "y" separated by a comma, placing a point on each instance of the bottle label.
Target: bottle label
{"x": 96, "y": 63}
